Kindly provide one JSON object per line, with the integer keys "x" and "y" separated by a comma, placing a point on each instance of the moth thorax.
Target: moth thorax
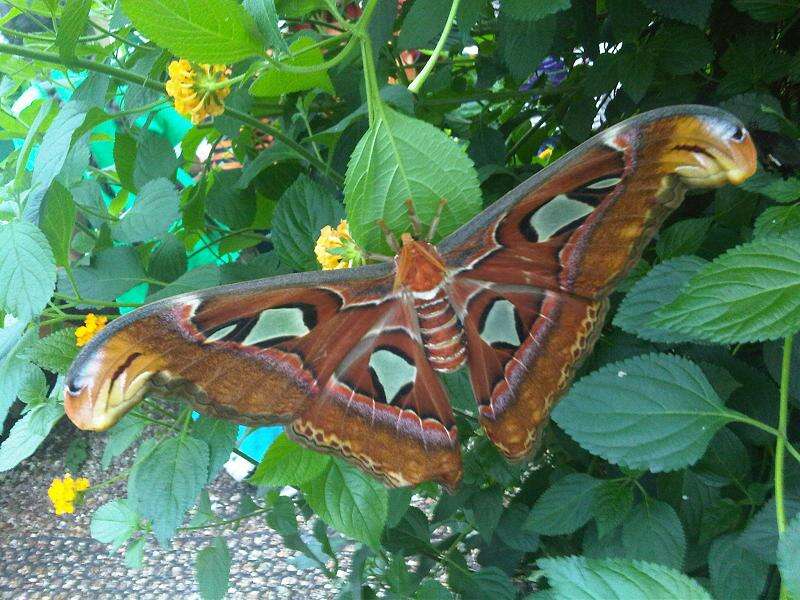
{"x": 441, "y": 331}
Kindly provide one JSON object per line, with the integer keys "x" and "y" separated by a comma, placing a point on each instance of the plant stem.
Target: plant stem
{"x": 227, "y": 522}
{"x": 93, "y": 302}
{"x": 780, "y": 444}
{"x": 132, "y": 77}
{"x": 419, "y": 80}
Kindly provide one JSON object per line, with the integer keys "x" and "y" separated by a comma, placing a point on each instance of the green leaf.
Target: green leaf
{"x": 735, "y": 572}
{"x": 430, "y": 589}
{"x": 111, "y": 273}
{"x": 288, "y": 463}
{"x": 531, "y": 10}
{"x": 274, "y": 82}
{"x": 213, "y": 570}
{"x": 27, "y": 269}
{"x": 74, "y": 18}
{"x": 164, "y": 482}
{"x": 751, "y": 293}
{"x": 400, "y": 158}
{"x": 767, "y": 10}
{"x": 153, "y": 211}
{"x": 124, "y": 158}
{"x": 265, "y": 16}
{"x": 168, "y": 260}
{"x": 202, "y": 277}
{"x": 27, "y": 433}
{"x": 524, "y": 44}
{"x": 486, "y": 506}
{"x": 221, "y": 438}
{"x": 155, "y": 159}
{"x": 789, "y": 557}
{"x": 134, "y": 555}
{"x": 774, "y": 186}
{"x": 659, "y": 287}
{"x": 684, "y": 237}
{"x": 601, "y": 579}
{"x": 777, "y": 220}
{"x": 565, "y": 506}
{"x": 653, "y": 532}
{"x": 120, "y": 438}
{"x": 113, "y": 523}
{"x": 423, "y": 24}
{"x": 611, "y": 504}
{"x": 229, "y": 204}
{"x": 14, "y": 341}
{"x": 692, "y": 54}
{"x": 350, "y": 501}
{"x": 515, "y": 530}
{"x": 636, "y": 70}
{"x": 54, "y": 352}
{"x": 761, "y": 534}
{"x": 211, "y": 31}
{"x": 694, "y": 12}
{"x": 57, "y": 221}
{"x": 726, "y": 458}
{"x": 303, "y": 210}
{"x": 655, "y": 412}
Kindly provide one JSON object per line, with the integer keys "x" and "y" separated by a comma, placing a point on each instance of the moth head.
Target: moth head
{"x": 709, "y": 150}
{"x": 106, "y": 380}
{"x": 419, "y": 266}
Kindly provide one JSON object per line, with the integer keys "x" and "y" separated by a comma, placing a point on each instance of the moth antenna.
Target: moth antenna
{"x": 416, "y": 224}
{"x": 435, "y": 222}
{"x": 390, "y": 239}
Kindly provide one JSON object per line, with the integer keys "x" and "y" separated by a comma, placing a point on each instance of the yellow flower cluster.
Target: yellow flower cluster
{"x": 198, "y": 90}
{"x": 335, "y": 249}
{"x": 91, "y": 325}
{"x": 546, "y": 153}
{"x": 64, "y": 492}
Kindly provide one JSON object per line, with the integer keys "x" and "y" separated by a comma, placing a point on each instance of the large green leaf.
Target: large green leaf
{"x": 565, "y": 506}
{"x": 778, "y": 220}
{"x": 523, "y": 44}
{"x": 54, "y": 352}
{"x": 303, "y": 210}
{"x": 760, "y": 536}
{"x": 789, "y": 557}
{"x": 684, "y": 237}
{"x": 14, "y": 342}
{"x": 694, "y": 12}
{"x": 27, "y": 269}
{"x": 27, "y": 433}
{"x": 57, "y": 221}
{"x": 208, "y": 31}
{"x": 659, "y": 287}
{"x": 531, "y": 10}
{"x": 751, "y": 293}
{"x": 274, "y": 82}
{"x": 111, "y": 273}
{"x": 767, "y": 10}
{"x": 220, "y": 436}
{"x": 213, "y": 570}
{"x": 692, "y": 54}
{"x": 73, "y": 21}
{"x": 400, "y": 158}
{"x": 153, "y": 211}
{"x": 154, "y": 159}
{"x": 653, "y": 532}
{"x": 603, "y": 579}
{"x": 165, "y": 481}
{"x": 735, "y": 571}
{"x": 423, "y": 24}
{"x": 113, "y": 523}
{"x": 780, "y": 189}
{"x": 288, "y": 463}
{"x": 655, "y": 412}
{"x": 611, "y": 504}
{"x": 350, "y": 501}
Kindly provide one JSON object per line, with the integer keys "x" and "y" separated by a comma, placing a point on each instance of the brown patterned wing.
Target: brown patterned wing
{"x": 278, "y": 351}
{"x": 546, "y": 256}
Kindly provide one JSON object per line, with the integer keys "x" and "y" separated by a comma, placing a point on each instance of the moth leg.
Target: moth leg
{"x": 435, "y": 222}
{"x": 416, "y": 224}
{"x": 390, "y": 239}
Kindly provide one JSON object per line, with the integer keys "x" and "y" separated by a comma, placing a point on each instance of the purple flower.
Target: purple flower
{"x": 554, "y": 68}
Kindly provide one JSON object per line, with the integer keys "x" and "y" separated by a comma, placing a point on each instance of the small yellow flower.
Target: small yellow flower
{"x": 335, "y": 249}
{"x": 199, "y": 90}
{"x": 89, "y": 329}
{"x": 64, "y": 492}
{"x": 546, "y": 153}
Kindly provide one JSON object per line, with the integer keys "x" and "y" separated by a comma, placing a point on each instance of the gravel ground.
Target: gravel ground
{"x": 44, "y": 556}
